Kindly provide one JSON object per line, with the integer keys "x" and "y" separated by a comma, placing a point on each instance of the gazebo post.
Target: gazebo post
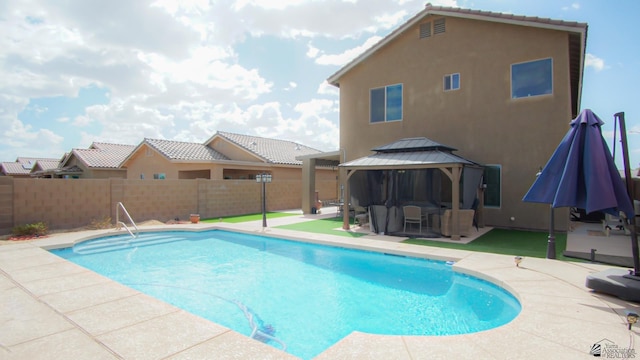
{"x": 455, "y": 203}
{"x": 345, "y": 200}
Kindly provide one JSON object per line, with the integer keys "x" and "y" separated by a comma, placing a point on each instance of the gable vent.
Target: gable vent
{"x": 425, "y": 30}
{"x": 438, "y": 26}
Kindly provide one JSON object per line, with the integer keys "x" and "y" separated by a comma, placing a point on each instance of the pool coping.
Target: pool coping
{"x": 559, "y": 317}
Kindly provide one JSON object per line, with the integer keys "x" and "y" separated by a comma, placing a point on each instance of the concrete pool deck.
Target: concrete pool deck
{"x": 53, "y": 309}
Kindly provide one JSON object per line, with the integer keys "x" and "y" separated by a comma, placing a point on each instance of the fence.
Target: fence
{"x": 73, "y": 203}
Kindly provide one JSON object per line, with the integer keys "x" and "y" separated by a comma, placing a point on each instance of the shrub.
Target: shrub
{"x": 38, "y": 229}
{"x": 105, "y": 223}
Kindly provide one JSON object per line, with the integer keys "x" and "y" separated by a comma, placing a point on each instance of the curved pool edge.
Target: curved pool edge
{"x": 559, "y": 315}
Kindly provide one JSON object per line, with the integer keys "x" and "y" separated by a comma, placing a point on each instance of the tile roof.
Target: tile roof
{"x": 413, "y": 144}
{"x": 46, "y": 164}
{"x": 446, "y": 10}
{"x": 270, "y": 150}
{"x": 103, "y": 155}
{"x": 22, "y": 165}
{"x": 109, "y": 146}
{"x": 408, "y": 159}
{"x": 14, "y": 168}
{"x": 408, "y": 153}
{"x": 178, "y": 150}
{"x": 31, "y": 160}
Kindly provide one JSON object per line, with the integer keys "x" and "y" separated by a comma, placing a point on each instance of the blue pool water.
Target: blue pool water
{"x": 297, "y": 296}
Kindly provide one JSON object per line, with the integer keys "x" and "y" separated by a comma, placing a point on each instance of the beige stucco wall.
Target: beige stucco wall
{"x": 480, "y": 119}
{"x": 71, "y": 203}
{"x": 146, "y": 162}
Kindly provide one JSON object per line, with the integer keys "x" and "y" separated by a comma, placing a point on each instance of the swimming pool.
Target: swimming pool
{"x": 297, "y": 296}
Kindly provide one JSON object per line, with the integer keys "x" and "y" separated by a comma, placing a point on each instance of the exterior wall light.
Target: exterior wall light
{"x": 264, "y": 179}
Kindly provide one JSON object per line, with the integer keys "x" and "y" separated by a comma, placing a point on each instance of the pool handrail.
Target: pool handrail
{"x": 119, "y": 223}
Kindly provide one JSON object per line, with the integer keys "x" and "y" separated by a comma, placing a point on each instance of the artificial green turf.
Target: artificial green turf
{"x": 322, "y": 226}
{"x": 508, "y": 242}
{"x": 498, "y": 241}
{"x": 248, "y": 217}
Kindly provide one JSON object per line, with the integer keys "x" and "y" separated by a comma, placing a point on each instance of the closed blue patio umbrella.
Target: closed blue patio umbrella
{"x": 581, "y": 173}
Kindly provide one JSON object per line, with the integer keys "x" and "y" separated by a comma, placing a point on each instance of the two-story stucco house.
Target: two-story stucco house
{"x": 500, "y": 89}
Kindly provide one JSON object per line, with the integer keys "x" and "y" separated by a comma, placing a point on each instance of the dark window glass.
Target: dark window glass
{"x": 492, "y": 178}
{"x": 532, "y": 78}
{"x": 377, "y": 105}
{"x": 386, "y": 104}
{"x": 394, "y": 103}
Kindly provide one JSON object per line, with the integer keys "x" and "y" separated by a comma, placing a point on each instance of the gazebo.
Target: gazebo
{"x": 409, "y": 171}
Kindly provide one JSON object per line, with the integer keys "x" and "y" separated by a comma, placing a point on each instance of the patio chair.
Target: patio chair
{"x": 611, "y": 222}
{"x": 443, "y": 224}
{"x": 361, "y": 215}
{"x": 412, "y": 215}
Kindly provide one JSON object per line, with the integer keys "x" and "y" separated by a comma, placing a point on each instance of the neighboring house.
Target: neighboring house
{"x": 22, "y": 167}
{"x": 247, "y": 150}
{"x": 99, "y": 161}
{"x": 499, "y": 88}
{"x": 225, "y": 155}
{"x": 168, "y": 159}
{"x": 42, "y": 167}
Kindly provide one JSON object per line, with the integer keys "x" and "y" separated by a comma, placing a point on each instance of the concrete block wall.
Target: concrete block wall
{"x": 230, "y": 197}
{"x": 75, "y": 203}
{"x": 61, "y": 203}
{"x": 6, "y": 204}
{"x": 161, "y": 200}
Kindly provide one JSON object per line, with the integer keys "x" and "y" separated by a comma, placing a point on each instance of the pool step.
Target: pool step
{"x": 119, "y": 243}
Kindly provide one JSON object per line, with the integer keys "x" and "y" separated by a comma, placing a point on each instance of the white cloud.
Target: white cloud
{"x": 82, "y": 121}
{"x": 312, "y": 51}
{"x": 172, "y": 69}
{"x": 330, "y": 18}
{"x": 347, "y": 55}
{"x": 574, "y": 6}
{"x": 29, "y": 141}
{"x": 210, "y": 71}
{"x": 292, "y": 85}
{"x": 594, "y": 62}
{"x": 327, "y": 89}
{"x": 387, "y": 21}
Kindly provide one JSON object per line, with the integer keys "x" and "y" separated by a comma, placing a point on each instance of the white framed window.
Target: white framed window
{"x": 385, "y": 104}
{"x": 532, "y": 78}
{"x": 451, "y": 82}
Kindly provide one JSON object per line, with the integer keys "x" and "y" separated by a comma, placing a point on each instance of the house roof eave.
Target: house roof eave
{"x": 574, "y": 27}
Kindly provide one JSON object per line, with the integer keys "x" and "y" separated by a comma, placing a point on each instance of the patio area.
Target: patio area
{"x": 52, "y": 309}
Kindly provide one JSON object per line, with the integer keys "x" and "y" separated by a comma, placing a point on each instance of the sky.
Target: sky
{"x": 74, "y": 72}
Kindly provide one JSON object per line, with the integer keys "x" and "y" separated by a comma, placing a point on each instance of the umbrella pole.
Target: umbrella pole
{"x": 551, "y": 243}
{"x": 630, "y": 192}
